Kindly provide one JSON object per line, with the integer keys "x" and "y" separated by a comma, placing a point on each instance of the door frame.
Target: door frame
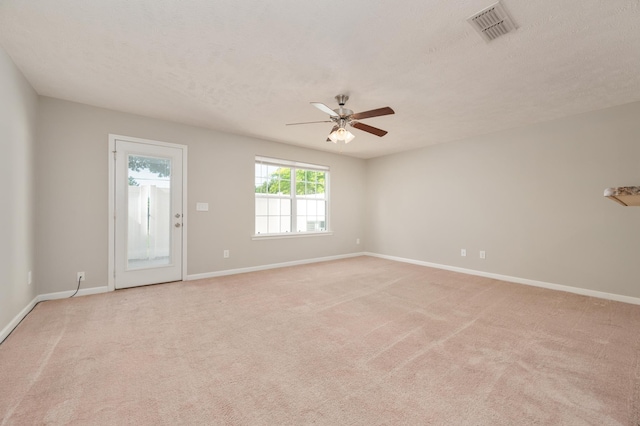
{"x": 111, "y": 281}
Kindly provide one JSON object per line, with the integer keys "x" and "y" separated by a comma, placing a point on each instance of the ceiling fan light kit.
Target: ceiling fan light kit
{"x": 341, "y": 135}
{"x": 342, "y": 117}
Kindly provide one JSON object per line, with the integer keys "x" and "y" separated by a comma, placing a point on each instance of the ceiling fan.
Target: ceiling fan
{"x": 342, "y": 117}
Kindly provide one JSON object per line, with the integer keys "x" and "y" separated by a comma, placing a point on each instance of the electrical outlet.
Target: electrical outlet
{"x": 463, "y": 252}
{"x": 225, "y": 254}
{"x": 80, "y": 276}
{"x": 357, "y": 240}
{"x": 483, "y": 254}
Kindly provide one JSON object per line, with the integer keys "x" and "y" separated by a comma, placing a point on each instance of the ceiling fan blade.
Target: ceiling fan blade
{"x": 322, "y": 107}
{"x": 372, "y": 113}
{"x": 370, "y": 129}
{"x": 308, "y": 122}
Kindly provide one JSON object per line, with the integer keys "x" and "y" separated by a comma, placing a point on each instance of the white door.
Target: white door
{"x": 148, "y": 213}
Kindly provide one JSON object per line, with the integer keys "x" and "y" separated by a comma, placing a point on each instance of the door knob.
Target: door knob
{"x": 177, "y": 225}
{"x": 178, "y": 215}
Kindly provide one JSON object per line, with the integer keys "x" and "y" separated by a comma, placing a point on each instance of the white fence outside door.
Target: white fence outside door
{"x": 149, "y": 223}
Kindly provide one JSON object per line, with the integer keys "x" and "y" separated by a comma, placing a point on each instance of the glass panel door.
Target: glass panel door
{"x": 149, "y": 217}
{"x": 149, "y": 212}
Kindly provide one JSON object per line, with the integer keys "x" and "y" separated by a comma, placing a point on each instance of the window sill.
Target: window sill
{"x": 290, "y": 235}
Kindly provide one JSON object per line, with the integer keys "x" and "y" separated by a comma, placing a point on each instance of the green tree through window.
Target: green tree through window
{"x": 290, "y": 197}
{"x": 307, "y": 182}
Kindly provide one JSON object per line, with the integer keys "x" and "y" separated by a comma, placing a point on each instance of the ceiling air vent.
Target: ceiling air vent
{"x": 492, "y": 22}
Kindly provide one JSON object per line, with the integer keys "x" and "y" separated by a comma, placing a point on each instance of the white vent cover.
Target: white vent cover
{"x": 492, "y": 22}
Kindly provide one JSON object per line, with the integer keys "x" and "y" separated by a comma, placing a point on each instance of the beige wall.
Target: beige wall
{"x": 18, "y": 107}
{"x": 531, "y": 197}
{"x": 72, "y": 203}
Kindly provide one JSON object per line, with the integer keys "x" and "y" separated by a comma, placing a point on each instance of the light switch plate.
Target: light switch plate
{"x": 202, "y": 207}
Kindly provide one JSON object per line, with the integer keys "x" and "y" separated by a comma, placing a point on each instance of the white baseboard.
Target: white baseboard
{"x": 41, "y": 298}
{"x": 65, "y": 294}
{"x": 270, "y": 266}
{"x": 96, "y": 290}
{"x": 525, "y": 281}
{"x": 16, "y": 320}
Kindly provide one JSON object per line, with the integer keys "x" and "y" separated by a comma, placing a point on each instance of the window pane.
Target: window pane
{"x": 321, "y": 182}
{"x": 301, "y": 205}
{"x": 310, "y": 223}
{"x": 274, "y": 224}
{"x": 285, "y": 207}
{"x": 274, "y": 207}
{"x": 322, "y": 223}
{"x": 284, "y": 177}
{"x": 261, "y": 225}
{"x": 311, "y": 207}
{"x": 320, "y": 208}
{"x": 273, "y": 186}
{"x": 314, "y": 224}
{"x": 285, "y": 223}
{"x": 261, "y": 206}
{"x": 278, "y": 180}
{"x": 149, "y": 212}
{"x": 301, "y": 224}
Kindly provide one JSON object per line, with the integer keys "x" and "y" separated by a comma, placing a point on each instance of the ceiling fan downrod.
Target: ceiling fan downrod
{"x": 341, "y": 110}
{"x": 342, "y": 99}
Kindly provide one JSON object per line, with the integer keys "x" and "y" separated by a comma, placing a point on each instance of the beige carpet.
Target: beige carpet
{"x": 361, "y": 341}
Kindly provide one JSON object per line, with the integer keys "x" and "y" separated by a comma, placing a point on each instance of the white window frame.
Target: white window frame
{"x": 294, "y": 165}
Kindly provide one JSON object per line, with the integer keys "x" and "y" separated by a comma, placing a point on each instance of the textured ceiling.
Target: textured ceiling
{"x": 248, "y": 67}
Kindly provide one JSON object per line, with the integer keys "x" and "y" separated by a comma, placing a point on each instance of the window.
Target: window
{"x": 291, "y": 197}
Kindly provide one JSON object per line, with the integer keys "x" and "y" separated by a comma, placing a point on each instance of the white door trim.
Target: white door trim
{"x": 111, "y": 282}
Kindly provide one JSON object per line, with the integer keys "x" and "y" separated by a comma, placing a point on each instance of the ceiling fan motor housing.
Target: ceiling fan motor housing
{"x": 342, "y": 111}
